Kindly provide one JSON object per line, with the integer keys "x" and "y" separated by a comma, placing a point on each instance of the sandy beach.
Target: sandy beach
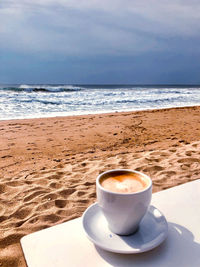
{"x": 49, "y": 165}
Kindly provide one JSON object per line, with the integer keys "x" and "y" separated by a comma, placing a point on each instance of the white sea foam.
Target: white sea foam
{"x": 33, "y": 101}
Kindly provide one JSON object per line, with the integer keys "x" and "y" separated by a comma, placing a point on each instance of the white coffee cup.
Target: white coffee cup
{"x": 123, "y": 211}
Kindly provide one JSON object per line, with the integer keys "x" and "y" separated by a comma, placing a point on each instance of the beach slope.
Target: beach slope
{"x": 49, "y": 165}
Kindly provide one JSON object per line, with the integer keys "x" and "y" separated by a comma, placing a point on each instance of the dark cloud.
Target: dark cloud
{"x": 100, "y": 40}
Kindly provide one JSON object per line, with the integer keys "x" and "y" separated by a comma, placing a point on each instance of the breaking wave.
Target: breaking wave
{"x": 43, "y": 88}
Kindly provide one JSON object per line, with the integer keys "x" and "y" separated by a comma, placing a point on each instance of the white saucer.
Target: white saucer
{"x": 152, "y": 232}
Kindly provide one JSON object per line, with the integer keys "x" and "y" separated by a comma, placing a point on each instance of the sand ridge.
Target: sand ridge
{"x": 49, "y": 166}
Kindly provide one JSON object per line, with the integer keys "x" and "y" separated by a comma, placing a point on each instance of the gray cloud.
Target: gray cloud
{"x": 97, "y": 27}
{"x": 96, "y": 41}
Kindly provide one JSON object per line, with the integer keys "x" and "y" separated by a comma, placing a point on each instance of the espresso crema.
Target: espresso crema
{"x": 124, "y": 183}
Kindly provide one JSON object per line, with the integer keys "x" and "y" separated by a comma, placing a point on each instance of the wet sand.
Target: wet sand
{"x": 49, "y": 166}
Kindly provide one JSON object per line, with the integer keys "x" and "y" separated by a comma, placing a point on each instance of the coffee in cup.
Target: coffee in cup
{"x": 124, "y": 182}
{"x": 124, "y": 197}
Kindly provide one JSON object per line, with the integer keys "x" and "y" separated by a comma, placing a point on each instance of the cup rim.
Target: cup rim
{"x": 125, "y": 170}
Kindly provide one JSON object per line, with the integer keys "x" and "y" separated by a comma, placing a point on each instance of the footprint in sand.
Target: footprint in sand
{"x": 50, "y": 196}
{"x": 80, "y": 193}
{"x": 21, "y": 213}
{"x": 153, "y": 169}
{"x": 45, "y": 206}
{"x": 141, "y": 168}
{"x": 66, "y": 192}
{"x": 2, "y": 188}
{"x": 60, "y": 203}
{"x": 65, "y": 213}
{"x": 89, "y": 183}
{"x": 34, "y": 195}
{"x": 52, "y": 218}
{"x": 55, "y": 185}
{"x": 188, "y": 160}
{"x": 189, "y": 153}
{"x": 172, "y": 150}
{"x": 8, "y": 241}
{"x": 92, "y": 195}
{"x": 168, "y": 173}
{"x": 3, "y": 218}
{"x": 6, "y": 156}
{"x": 152, "y": 159}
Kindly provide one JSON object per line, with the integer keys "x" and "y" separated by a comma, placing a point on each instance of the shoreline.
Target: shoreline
{"x": 98, "y": 113}
{"x": 49, "y": 165}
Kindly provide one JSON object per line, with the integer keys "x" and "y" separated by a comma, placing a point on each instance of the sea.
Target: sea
{"x": 20, "y": 101}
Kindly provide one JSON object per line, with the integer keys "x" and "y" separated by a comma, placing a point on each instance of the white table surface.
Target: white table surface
{"x": 67, "y": 245}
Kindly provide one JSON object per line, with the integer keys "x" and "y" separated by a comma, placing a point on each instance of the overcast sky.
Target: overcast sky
{"x": 100, "y": 41}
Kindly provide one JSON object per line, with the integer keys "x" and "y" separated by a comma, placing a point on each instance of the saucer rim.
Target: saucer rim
{"x": 132, "y": 251}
